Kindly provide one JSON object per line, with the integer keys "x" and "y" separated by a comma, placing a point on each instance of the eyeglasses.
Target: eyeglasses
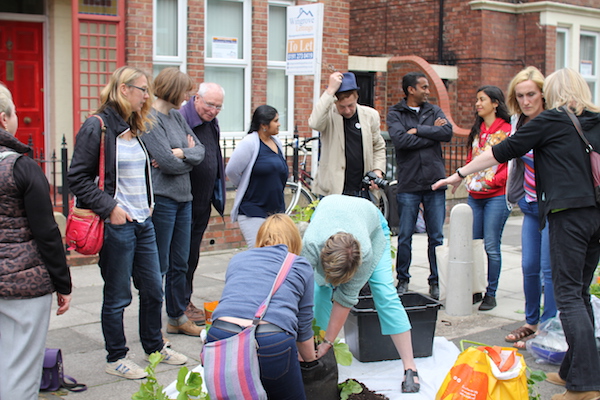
{"x": 212, "y": 106}
{"x": 145, "y": 90}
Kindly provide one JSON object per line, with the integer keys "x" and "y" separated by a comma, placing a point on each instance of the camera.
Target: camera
{"x": 372, "y": 177}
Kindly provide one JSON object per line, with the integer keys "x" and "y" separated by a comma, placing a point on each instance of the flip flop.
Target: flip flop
{"x": 519, "y": 334}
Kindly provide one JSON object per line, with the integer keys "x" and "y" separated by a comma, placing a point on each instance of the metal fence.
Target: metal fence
{"x": 56, "y": 167}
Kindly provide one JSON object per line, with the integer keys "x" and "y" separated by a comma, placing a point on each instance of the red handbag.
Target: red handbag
{"x": 85, "y": 228}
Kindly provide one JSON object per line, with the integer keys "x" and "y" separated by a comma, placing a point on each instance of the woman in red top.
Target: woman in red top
{"x": 487, "y": 188}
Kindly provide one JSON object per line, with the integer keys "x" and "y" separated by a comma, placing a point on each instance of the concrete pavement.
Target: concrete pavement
{"x": 78, "y": 333}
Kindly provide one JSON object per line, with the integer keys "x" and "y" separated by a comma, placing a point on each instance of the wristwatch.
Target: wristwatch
{"x": 461, "y": 176}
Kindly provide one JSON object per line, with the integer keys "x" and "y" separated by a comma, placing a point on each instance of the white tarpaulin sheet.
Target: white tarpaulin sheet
{"x": 386, "y": 377}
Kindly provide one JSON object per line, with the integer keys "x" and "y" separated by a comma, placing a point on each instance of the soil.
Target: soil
{"x": 366, "y": 394}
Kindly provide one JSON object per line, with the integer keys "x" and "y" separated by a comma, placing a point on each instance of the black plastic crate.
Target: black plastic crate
{"x": 363, "y": 332}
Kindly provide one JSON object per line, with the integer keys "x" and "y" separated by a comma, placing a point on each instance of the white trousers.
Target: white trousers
{"x": 249, "y": 227}
{"x": 23, "y": 329}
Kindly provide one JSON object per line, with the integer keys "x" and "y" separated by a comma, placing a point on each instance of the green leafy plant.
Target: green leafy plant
{"x": 343, "y": 356}
{"x": 150, "y": 389}
{"x": 595, "y": 286}
{"x": 189, "y": 384}
{"x": 303, "y": 214}
{"x": 349, "y": 387}
{"x": 533, "y": 379}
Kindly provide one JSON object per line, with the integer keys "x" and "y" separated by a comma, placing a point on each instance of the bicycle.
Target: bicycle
{"x": 378, "y": 196}
{"x": 297, "y": 192}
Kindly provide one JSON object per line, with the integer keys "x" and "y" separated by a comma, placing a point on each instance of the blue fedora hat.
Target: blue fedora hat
{"x": 348, "y": 82}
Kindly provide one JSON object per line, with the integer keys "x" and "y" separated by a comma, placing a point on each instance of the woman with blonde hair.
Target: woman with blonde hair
{"x": 174, "y": 150}
{"x": 525, "y": 101}
{"x": 125, "y": 205}
{"x": 348, "y": 244}
{"x": 286, "y": 329}
{"x": 565, "y": 192}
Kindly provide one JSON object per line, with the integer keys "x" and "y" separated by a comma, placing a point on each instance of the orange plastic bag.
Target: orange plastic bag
{"x": 486, "y": 373}
{"x": 209, "y": 307}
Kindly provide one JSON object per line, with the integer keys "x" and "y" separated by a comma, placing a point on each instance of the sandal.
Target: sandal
{"x": 409, "y": 385}
{"x": 519, "y": 334}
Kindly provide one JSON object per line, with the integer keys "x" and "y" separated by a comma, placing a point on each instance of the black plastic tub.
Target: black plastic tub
{"x": 363, "y": 332}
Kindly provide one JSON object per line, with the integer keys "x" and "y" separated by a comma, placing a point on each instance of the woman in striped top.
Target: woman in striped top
{"x": 525, "y": 101}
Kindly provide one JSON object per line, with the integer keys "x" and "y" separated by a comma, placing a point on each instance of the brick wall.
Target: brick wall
{"x": 138, "y": 32}
{"x": 221, "y": 233}
{"x": 487, "y": 47}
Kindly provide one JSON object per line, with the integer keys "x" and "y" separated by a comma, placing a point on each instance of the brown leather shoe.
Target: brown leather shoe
{"x": 554, "y": 378}
{"x": 572, "y": 395}
{"x": 187, "y": 328}
{"x": 195, "y": 314}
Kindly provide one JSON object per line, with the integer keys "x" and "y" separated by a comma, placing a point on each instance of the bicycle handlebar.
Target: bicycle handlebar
{"x": 295, "y": 144}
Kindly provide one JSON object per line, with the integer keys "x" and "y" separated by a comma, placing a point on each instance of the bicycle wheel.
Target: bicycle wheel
{"x": 381, "y": 201}
{"x": 296, "y": 195}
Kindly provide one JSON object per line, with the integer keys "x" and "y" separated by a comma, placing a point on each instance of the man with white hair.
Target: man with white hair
{"x": 208, "y": 178}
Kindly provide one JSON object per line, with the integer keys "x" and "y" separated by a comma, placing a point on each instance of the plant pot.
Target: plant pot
{"x": 320, "y": 381}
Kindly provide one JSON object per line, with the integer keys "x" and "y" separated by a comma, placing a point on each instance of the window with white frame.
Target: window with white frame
{"x": 279, "y": 86}
{"x": 227, "y": 61}
{"x": 169, "y": 38}
{"x": 588, "y": 60}
{"x": 562, "y": 41}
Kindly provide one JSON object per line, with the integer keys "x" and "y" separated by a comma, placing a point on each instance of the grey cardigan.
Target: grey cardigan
{"x": 172, "y": 178}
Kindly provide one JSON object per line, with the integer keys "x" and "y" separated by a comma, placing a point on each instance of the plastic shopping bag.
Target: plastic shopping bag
{"x": 483, "y": 373}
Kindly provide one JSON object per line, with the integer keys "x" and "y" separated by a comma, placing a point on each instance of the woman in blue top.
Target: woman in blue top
{"x": 259, "y": 170}
{"x": 286, "y": 329}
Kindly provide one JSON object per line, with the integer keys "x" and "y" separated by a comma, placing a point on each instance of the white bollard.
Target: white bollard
{"x": 459, "y": 282}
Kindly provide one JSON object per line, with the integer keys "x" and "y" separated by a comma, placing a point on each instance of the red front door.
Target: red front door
{"x": 21, "y": 70}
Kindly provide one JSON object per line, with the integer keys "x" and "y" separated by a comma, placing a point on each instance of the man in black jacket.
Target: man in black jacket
{"x": 208, "y": 178}
{"x": 417, "y": 129}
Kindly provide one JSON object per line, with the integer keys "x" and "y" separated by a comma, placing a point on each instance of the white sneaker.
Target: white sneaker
{"x": 172, "y": 357}
{"x": 125, "y": 368}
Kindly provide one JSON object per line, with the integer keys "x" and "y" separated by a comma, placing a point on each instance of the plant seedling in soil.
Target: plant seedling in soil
{"x": 354, "y": 390}
{"x": 341, "y": 350}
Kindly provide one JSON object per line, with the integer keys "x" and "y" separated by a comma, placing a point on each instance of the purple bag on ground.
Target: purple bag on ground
{"x": 53, "y": 377}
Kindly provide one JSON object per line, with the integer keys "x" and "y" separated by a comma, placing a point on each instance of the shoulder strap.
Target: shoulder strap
{"x": 102, "y": 158}
{"x": 575, "y": 122}
{"x": 281, "y": 276}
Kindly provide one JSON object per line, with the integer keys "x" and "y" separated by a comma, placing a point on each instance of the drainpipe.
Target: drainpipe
{"x": 441, "y": 34}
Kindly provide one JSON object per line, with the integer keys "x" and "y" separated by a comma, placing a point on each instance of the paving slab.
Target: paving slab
{"x": 78, "y": 333}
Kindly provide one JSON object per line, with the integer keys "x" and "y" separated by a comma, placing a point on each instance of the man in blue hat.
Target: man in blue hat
{"x": 351, "y": 141}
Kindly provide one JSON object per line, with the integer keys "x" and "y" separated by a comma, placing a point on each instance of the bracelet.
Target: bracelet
{"x": 328, "y": 342}
{"x": 461, "y": 176}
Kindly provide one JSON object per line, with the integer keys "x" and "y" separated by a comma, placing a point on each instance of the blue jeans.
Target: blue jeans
{"x": 278, "y": 359}
{"x": 574, "y": 237}
{"x": 535, "y": 261}
{"x": 434, "y": 213}
{"x": 173, "y": 222}
{"x": 489, "y": 217}
{"x": 130, "y": 251}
